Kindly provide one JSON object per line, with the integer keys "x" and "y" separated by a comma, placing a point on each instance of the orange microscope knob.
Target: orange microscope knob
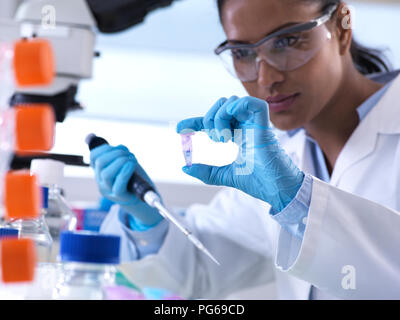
{"x": 33, "y": 62}
{"x": 22, "y": 195}
{"x": 34, "y": 128}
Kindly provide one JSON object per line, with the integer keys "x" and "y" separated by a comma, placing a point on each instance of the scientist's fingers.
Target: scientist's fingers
{"x": 98, "y": 151}
{"x": 105, "y": 159}
{"x": 121, "y": 181}
{"x": 250, "y": 109}
{"x": 190, "y": 125}
{"x": 103, "y": 149}
{"x": 208, "y": 120}
{"x": 217, "y": 176}
{"x": 223, "y": 121}
{"x": 109, "y": 173}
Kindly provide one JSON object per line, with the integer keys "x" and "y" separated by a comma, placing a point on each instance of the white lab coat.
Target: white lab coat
{"x": 351, "y": 244}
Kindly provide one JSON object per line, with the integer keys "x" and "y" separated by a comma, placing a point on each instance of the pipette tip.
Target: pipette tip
{"x": 211, "y": 256}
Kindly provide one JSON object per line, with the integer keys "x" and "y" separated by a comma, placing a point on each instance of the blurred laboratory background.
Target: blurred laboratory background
{"x": 164, "y": 70}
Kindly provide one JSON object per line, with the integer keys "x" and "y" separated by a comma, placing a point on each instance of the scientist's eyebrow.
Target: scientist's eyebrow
{"x": 233, "y": 41}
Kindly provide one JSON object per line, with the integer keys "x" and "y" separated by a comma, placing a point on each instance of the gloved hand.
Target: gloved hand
{"x": 262, "y": 168}
{"x": 114, "y": 167}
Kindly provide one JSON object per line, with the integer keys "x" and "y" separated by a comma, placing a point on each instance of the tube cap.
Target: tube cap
{"x": 34, "y": 127}
{"x": 33, "y": 62}
{"x": 22, "y": 198}
{"x": 48, "y": 171}
{"x": 89, "y": 247}
{"x": 18, "y": 260}
{"x": 8, "y": 232}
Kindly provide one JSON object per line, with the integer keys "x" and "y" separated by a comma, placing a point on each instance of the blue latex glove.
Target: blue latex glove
{"x": 262, "y": 168}
{"x": 114, "y": 167}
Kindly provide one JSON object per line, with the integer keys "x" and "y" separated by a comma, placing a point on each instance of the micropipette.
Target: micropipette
{"x": 144, "y": 191}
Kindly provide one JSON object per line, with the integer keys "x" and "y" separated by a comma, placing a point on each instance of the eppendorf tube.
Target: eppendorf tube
{"x": 187, "y": 147}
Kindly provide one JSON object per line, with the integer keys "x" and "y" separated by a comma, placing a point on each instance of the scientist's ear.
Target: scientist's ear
{"x": 343, "y": 23}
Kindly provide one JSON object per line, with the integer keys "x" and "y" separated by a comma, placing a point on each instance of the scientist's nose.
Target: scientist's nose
{"x": 268, "y": 76}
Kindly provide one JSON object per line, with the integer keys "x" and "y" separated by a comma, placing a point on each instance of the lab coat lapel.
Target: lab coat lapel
{"x": 383, "y": 118}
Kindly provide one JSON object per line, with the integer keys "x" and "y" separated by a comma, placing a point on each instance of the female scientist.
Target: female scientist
{"x": 318, "y": 212}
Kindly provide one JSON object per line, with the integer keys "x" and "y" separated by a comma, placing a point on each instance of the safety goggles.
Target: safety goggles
{"x": 286, "y": 50}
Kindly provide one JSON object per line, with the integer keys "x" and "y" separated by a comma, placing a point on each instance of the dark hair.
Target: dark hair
{"x": 366, "y": 60}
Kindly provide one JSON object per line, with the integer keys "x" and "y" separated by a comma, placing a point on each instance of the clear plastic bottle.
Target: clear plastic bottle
{"x": 37, "y": 230}
{"x": 56, "y": 211}
{"x": 89, "y": 262}
{"x": 46, "y": 276}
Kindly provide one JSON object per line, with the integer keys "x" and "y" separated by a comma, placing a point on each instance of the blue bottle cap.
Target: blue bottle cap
{"x": 8, "y": 232}
{"x": 89, "y": 247}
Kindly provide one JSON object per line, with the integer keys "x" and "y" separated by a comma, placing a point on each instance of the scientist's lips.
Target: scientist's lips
{"x": 281, "y": 102}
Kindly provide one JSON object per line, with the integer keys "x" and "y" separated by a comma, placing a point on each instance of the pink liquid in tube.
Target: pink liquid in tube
{"x": 187, "y": 147}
